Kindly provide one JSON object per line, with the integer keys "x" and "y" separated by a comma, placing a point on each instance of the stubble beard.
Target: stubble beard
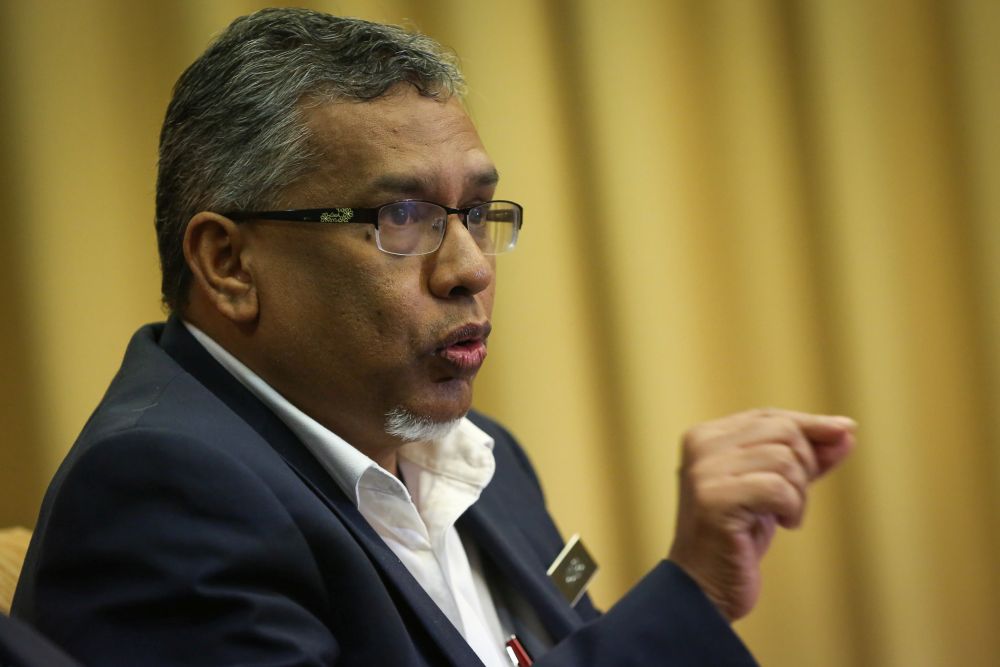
{"x": 408, "y": 427}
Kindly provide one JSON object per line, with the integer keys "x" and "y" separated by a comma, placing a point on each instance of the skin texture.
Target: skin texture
{"x": 742, "y": 476}
{"x": 342, "y": 330}
{"x": 347, "y": 332}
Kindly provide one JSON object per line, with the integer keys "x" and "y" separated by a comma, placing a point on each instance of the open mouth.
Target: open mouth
{"x": 466, "y": 355}
{"x": 465, "y": 348}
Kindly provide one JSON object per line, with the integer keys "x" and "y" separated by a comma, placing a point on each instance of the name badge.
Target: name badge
{"x": 572, "y": 570}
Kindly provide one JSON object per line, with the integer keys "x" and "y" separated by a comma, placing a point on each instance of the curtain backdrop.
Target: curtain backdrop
{"x": 729, "y": 203}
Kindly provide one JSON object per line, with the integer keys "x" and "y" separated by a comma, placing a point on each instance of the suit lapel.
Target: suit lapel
{"x": 393, "y": 572}
{"x": 500, "y": 539}
{"x": 179, "y": 343}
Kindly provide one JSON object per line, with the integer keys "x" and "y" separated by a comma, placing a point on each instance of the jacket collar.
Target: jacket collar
{"x": 497, "y": 532}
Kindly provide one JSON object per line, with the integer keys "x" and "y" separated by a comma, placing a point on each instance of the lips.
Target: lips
{"x": 465, "y": 347}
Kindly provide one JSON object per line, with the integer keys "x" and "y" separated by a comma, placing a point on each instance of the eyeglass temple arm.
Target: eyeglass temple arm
{"x": 322, "y": 215}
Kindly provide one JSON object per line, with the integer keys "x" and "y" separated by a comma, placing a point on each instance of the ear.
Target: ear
{"x": 215, "y": 251}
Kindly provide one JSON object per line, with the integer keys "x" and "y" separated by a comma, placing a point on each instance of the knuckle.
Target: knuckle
{"x": 787, "y": 429}
{"x": 775, "y": 486}
{"x": 781, "y": 491}
{"x": 699, "y": 476}
{"x": 705, "y": 495}
{"x": 788, "y": 466}
{"x": 782, "y": 459}
{"x": 700, "y": 493}
{"x": 692, "y": 438}
{"x": 792, "y": 497}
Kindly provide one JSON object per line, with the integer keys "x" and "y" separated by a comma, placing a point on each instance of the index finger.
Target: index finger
{"x": 817, "y": 428}
{"x": 832, "y": 436}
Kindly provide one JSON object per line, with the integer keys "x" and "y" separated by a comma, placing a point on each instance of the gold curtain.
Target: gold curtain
{"x": 729, "y": 203}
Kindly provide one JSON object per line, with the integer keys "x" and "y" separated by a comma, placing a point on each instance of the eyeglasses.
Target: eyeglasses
{"x": 413, "y": 226}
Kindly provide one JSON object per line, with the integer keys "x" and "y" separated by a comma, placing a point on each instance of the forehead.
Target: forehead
{"x": 399, "y": 145}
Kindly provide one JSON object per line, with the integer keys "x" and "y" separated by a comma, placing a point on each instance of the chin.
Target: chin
{"x": 409, "y": 427}
{"x": 442, "y": 401}
{"x": 431, "y": 412}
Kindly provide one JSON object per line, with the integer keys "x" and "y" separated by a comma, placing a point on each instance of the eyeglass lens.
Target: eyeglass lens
{"x": 418, "y": 227}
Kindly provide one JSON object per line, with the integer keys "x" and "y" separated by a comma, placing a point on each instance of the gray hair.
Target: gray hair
{"x": 409, "y": 427}
{"x": 235, "y": 135}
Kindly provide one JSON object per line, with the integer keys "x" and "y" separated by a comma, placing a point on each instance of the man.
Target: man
{"x": 287, "y": 471}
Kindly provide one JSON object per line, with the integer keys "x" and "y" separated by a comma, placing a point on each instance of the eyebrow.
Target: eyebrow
{"x": 412, "y": 184}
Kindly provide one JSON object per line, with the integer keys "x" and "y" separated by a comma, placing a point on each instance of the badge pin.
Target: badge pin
{"x": 572, "y": 570}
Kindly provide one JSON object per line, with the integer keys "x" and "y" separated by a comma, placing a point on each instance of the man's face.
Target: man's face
{"x": 349, "y": 332}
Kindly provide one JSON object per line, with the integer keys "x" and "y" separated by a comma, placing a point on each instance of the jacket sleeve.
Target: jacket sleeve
{"x": 665, "y": 619}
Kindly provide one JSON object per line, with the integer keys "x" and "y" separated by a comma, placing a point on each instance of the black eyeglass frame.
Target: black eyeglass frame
{"x": 370, "y": 216}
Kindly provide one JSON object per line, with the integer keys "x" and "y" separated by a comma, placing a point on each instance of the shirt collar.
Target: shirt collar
{"x": 465, "y": 455}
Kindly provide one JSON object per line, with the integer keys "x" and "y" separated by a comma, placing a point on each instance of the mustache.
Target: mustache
{"x": 453, "y": 333}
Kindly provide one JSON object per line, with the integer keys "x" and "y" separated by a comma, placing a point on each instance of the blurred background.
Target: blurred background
{"x": 729, "y": 203}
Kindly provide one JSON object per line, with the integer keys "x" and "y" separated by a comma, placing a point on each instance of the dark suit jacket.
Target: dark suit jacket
{"x": 189, "y": 526}
{"x": 20, "y": 646}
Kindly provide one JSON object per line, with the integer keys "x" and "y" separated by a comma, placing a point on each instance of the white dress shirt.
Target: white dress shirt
{"x": 416, "y": 520}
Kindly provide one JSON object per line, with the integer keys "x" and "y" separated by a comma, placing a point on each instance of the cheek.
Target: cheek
{"x": 305, "y": 297}
{"x": 342, "y": 297}
{"x": 378, "y": 307}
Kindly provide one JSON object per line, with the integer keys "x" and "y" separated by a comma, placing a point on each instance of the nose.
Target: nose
{"x": 459, "y": 267}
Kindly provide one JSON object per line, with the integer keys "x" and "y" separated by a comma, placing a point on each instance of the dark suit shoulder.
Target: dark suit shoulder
{"x": 171, "y": 520}
{"x": 21, "y": 646}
